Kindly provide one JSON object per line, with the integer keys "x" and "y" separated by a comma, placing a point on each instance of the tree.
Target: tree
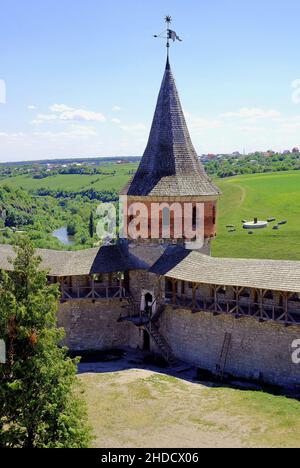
{"x": 38, "y": 403}
{"x": 91, "y": 225}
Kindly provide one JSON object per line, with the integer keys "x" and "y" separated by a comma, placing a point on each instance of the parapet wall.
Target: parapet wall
{"x": 258, "y": 350}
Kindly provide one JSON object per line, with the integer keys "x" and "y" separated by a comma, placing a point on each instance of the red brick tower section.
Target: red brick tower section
{"x": 170, "y": 172}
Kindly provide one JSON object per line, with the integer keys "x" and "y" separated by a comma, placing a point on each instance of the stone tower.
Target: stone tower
{"x": 170, "y": 172}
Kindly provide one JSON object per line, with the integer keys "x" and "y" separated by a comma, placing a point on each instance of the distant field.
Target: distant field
{"x": 244, "y": 197}
{"x": 263, "y": 196}
{"x": 139, "y": 408}
{"x": 76, "y": 182}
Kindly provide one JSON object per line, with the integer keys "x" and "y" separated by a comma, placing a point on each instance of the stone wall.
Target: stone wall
{"x": 143, "y": 280}
{"x": 258, "y": 350}
{"x": 95, "y": 326}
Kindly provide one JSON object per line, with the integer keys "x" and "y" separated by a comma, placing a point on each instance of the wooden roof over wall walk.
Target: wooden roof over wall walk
{"x": 194, "y": 267}
{"x": 107, "y": 259}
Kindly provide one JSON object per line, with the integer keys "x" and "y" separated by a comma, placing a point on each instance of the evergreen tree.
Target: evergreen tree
{"x": 92, "y": 225}
{"x": 39, "y": 403}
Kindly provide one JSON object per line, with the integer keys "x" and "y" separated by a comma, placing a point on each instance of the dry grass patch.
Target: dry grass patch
{"x": 139, "y": 408}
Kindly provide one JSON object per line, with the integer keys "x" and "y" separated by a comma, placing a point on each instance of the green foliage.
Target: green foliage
{"x": 92, "y": 225}
{"x": 38, "y": 217}
{"x": 38, "y": 406}
{"x": 256, "y": 163}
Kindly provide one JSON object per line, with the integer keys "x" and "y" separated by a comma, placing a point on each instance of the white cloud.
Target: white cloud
{"x": 116, "y": 121}
{"x": 200, "y": 124}
{"x": 66, "y": 113}
{"x": 40, "y": 118}
{"x": 12, "y": 135}
{"x": 60, "y": 108}
{"x": 117, "y": 109}
{"x": 251, "y": 129}
{"x": 134, "y": 128}
{"x": 75, "y": 131}
{"x": 31, "y": 107}
{"x": 252, "y": 113}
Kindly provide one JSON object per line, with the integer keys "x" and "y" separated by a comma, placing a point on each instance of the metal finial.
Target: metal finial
{"x": 171, "y": 35}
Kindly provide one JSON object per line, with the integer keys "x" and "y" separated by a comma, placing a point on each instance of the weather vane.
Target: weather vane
{"x": 170, "y": 35}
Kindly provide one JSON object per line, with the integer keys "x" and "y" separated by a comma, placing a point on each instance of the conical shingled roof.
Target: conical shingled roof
{"x": 170, "y": 165}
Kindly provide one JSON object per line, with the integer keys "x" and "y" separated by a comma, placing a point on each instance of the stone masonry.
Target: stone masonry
{"x": 257, "y": 351}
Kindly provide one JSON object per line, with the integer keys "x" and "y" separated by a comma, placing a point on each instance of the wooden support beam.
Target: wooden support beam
{"x": 216, "y": 298}
{"x": 286, "y": 307}
{"x": 195, "y": 287}
{"x": 261, "y": 294}
{"x": 174, "y": 289}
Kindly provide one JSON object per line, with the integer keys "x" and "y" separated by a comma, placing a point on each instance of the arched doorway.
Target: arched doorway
{"x": 148, "y": 303}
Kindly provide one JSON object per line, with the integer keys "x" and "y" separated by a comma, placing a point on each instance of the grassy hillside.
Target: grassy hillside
{"x": 116, "y": 176}
{"x": 263, "y": 196}
{"x": 139, "y": 408}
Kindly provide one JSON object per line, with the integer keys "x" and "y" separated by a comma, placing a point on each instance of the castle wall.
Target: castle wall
{"x": 95, "y": 326}
{"x": 258, "y": 350}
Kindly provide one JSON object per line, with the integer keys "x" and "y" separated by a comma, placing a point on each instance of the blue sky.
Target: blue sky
{"x": 82, "y": 77}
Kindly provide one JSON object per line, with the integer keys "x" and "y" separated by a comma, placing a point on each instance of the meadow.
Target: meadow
{"x": 114, "y": 178}
{"x": 143, "y": 409}
{"x": 263, "y": 196}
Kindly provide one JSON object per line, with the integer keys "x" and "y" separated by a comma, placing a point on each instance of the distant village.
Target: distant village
{"x": 205, "y": 158}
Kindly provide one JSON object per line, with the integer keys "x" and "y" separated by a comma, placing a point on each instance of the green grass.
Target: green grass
{"x": 76, "y": 182}
{"x": 263, "y": 196}
{"x": 139, "y": 408}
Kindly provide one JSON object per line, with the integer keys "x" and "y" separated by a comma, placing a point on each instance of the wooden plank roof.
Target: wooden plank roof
{"x": 170, "y": 165}
{"x": 107, "y": 259}
{"x": 194, "y": 267}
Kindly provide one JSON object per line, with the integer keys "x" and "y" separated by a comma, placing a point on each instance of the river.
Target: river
{"x": 62, "y": 235}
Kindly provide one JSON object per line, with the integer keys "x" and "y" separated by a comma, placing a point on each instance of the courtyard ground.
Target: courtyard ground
{"x": 130, "y": 406}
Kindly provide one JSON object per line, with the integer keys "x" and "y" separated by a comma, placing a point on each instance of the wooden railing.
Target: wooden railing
{"x": 94, "y": 293}
{"x": 263, "y": 309}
